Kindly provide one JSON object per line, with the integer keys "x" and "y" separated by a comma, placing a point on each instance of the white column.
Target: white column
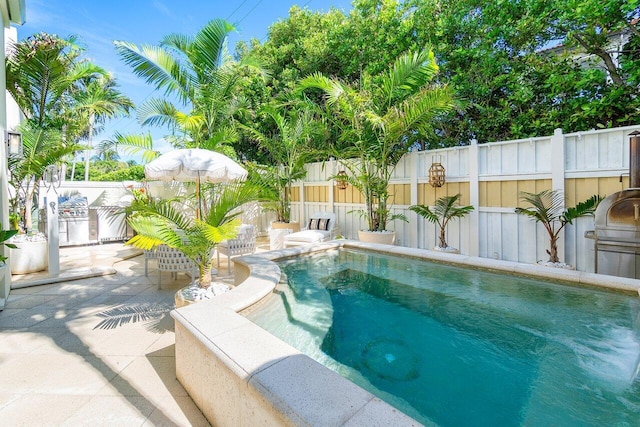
{"x": 557, "y": 177}
{"x": 5, "y": 280}
{"x": 331, "y": 186}
{"x": 53, "y": 233}
{"x": 474, "y": 199}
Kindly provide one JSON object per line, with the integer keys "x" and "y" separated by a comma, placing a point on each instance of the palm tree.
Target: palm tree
{"x": 170, "y": 222}
{"x": 380, "y": 118}
{"x": 98, "y": 101}
{"x": 289, "y": 148}
{"x": 547, "y": 208}
{"x": 41, "y": 147}
{"x": 444, "y": 210}
{"x": 43, "y": 72}
{"x": 197, "y": 72}
{"x": 44, "y": 75}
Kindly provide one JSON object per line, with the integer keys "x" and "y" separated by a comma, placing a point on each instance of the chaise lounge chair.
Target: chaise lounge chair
{"x": 321, "y": 227}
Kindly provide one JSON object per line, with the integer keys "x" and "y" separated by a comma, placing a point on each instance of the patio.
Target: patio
{"x": 95, "y": 350}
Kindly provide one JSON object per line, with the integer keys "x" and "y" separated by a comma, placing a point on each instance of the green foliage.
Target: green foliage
{"x": 4, "y": 236}
{"x": 41, "y": 147}
{"x": 547, "y": 208}
{"x": 379, "y": 120}
{"x": 445, "y": 209}
{"x": 288, "y": 147}
{"x": 174, "y": 223}
{"x": 495, "y": 54}
{"x": 198, "y": 71}
{"x": 129, "y": 173}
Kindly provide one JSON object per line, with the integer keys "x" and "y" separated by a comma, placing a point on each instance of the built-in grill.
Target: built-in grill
{"x": 73, "y": 221}
{"x": 617, "y": 224}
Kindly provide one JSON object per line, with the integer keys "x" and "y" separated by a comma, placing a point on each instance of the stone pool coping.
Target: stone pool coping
{"x": 239, "y": 374}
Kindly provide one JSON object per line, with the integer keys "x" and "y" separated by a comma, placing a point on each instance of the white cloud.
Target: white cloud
{"x": 162, "y": 8}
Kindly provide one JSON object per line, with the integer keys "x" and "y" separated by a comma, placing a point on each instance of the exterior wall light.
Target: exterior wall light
{"x": 14, "y": 144}
{"x": 436, "y": 174}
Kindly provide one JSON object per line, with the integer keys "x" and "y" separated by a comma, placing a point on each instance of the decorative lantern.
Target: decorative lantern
{"x": 436, "y": 174}
{"x": 341, "y": 180}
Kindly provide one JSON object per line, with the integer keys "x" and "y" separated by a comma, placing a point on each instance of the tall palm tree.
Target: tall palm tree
{"x": 98, "y": 101}
{"x": 197, "y": 72}
{"x": 380, "y": 118}
{"x": 43, "y": 72}
{"x": 289, "y": 148}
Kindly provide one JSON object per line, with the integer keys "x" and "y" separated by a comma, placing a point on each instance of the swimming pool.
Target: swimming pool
{"x": 453, "y": 345}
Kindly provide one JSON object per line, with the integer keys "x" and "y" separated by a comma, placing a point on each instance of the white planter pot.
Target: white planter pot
{"x": 387, "y": 237}
{"x": 293, "y": 226}
{"x": 447, "y": 250}
{"x": 29, "y": 257}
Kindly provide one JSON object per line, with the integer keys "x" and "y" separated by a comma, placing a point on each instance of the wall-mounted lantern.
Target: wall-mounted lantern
{"x": 14, "y": 144}
{"x": 341, "y": 180}
{"x": 436, "y": 174}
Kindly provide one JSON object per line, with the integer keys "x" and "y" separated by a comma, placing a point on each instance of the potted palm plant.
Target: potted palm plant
{"x": 547, "y": 208}
{"x": 445, "y": 209}
{"x": 289, "y": 148}
{"x": 173, "y": 222}
{"x": 380, "y": 119}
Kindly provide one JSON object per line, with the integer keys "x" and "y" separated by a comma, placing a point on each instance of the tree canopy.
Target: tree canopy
{"x": 524, "y": 67}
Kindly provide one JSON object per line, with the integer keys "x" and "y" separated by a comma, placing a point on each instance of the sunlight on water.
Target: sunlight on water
{"x": 449, "y": 345}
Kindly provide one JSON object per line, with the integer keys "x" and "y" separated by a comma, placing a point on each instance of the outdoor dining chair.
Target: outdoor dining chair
{"x": 244, "y": 243}
{"x": 173, "y": 260}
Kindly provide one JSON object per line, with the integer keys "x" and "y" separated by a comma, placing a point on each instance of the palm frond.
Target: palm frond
{"x": 157, "y": 67}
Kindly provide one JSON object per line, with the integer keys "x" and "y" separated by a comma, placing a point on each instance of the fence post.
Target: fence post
{"x": 474, "y": 199}
{"x": 412, "y": 239}
{"x": 301, "y": 217}
{"x": 331, "y": 185}
{"x": 557, "y": 177}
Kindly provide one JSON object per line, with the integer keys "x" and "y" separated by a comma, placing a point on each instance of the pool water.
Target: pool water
{"x": 458, "y": 347}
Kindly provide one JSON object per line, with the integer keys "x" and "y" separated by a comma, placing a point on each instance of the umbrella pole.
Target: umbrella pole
{"x": 199, "y": 207}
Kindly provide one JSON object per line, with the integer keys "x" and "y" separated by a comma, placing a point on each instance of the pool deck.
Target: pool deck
{"x": 93, "y": 345}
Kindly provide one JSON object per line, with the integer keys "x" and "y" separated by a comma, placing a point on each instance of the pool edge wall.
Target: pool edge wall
{"x": 239, "y": 374}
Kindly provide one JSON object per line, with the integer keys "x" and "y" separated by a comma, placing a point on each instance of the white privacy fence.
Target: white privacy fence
{"x": 492, "y": 175}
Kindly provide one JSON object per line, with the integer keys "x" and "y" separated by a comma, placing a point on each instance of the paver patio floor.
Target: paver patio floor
{"x": 97, "y": 351}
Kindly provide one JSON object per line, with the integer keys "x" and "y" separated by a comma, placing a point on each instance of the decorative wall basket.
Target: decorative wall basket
{"x": 436, "y": 174}
{"x": 341, "y": 180}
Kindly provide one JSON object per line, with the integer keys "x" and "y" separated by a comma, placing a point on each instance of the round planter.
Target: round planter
{"x": 30, "y": 257}
{"x": 192, "y": 293}
{"x": 293, "y": 226}
{"x": 387, "y": 237}
{"x": 447, "y": 250}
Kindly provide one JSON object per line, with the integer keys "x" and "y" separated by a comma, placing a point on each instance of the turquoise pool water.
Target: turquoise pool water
{"x": 461, "y": 347}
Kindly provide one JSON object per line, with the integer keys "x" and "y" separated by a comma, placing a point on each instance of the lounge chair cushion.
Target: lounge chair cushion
{"x": 308, "y": 236}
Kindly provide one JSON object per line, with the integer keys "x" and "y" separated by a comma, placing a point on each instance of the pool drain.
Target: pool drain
{"x": 390, "y": 359}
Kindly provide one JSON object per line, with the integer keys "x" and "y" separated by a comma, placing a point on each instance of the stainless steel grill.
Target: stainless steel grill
{"x": 617, "y": 224}
{"x": 74, "y": 220}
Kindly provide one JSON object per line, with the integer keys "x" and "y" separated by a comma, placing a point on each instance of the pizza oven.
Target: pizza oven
{"x": 617, "y": 224}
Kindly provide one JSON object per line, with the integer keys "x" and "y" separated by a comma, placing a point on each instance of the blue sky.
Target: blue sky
{"x": 98, "y": 23}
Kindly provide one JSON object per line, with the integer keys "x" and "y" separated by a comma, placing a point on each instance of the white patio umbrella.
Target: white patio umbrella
{"x": 194, "y": 165}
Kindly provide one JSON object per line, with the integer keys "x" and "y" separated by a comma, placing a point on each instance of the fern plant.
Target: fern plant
{"x": 444, "y": 210}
